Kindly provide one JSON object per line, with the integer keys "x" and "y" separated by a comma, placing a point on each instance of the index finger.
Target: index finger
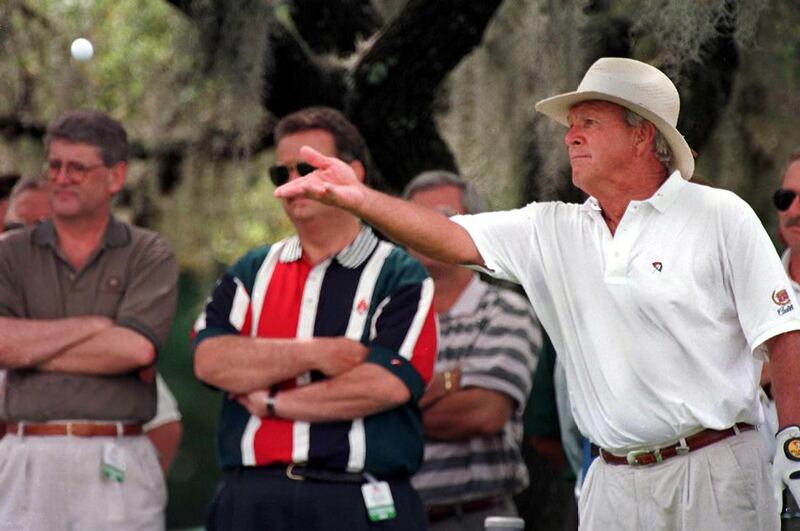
{"x": 315, "y": 158}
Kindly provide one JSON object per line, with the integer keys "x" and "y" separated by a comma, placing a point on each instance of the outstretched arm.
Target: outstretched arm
{"x": 419, "y": 228}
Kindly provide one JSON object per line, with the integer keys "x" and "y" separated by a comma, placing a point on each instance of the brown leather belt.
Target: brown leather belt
{"x": 693, "y": 442}
{"x": 440, "y": 512}
{"x": 74, "y": 429}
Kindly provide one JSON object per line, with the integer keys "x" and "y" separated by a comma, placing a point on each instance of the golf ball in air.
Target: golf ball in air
{"x": 81, "y": 49}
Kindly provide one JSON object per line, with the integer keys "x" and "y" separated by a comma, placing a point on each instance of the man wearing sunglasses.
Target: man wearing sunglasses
{"x": 85, "y": 303}
{"x": 663, "y": 298}
{"x": 322, "y": 344}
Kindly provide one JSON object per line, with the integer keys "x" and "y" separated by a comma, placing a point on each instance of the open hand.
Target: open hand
{"x": 334, "y": 182}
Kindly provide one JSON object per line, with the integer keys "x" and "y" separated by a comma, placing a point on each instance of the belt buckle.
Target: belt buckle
{"x": 644, "y": 457}
{"x": 291, "y": 475}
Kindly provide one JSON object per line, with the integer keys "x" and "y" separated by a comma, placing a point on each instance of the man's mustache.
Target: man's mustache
{"x": 791, "y": 222}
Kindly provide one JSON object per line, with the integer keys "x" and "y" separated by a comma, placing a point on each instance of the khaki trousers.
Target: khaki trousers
{"x": 726, "y": 486}
{"x": 57, "y": 484}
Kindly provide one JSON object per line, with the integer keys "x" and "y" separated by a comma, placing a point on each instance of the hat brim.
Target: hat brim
{"x": 557, "y": 108}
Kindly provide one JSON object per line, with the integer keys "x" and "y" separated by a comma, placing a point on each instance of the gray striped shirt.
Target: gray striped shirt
{"x": 492, "y": 335}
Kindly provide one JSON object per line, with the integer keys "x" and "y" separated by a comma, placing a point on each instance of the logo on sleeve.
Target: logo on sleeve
{"x": 657, "y": 266}
{"x": 781, "y": 298}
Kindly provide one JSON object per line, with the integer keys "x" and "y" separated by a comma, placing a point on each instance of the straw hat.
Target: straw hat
{"x": 637, "y": 86}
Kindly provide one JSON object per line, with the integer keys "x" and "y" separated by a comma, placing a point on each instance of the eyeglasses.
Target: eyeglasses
{"x": 279, "y": 175}
{"x": 76, "y": 172}
{"x": 783, "y": 198}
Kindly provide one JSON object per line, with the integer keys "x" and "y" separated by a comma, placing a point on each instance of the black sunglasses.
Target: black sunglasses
{"x": 783, "y": 198}
{"x": 279, "y": 175}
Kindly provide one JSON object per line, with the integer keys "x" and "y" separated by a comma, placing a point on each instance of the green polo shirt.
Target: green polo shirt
{"x": 130, "y": 278}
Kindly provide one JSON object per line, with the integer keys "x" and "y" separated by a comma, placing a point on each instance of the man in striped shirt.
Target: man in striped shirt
{"x": 472, "y": 411}
{"x": 323, "y": 343}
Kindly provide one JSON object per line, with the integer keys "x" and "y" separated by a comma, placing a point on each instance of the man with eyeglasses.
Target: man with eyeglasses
{"x": 322, "y": 344}
{"x": 472, "y": 410}
{"x": 29, "y": 204}
{"x": 662, "y": 297}
{"x": 86, "y": 301}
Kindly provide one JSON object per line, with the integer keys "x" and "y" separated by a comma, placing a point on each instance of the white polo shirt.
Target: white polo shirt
{"x": 657, "y": 326}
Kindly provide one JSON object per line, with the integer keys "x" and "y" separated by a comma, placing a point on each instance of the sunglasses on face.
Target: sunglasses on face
{"x": 783, "y": 198}
{"x": 279, "y": 175}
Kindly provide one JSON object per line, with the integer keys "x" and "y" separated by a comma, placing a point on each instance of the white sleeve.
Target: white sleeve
{"x": 501, "y": 238}
{"x": 166, "y": 408}
{"x": 765, "y": 301}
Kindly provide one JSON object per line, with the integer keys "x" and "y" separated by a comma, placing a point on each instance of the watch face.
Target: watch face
{"x": 792, "y": 448}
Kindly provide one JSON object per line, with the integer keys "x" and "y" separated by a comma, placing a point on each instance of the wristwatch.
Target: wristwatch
{"x": 271, "y": 398}
{"x": 448, "y": 381}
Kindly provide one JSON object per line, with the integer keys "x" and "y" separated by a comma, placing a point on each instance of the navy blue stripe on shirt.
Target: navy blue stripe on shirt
{"x": 330, "y": 439}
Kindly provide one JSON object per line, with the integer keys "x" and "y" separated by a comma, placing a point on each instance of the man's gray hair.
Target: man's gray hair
{"x": 662, "y": 150}
{"x": 471, "y": 198}
{"x": 29, "y": 182}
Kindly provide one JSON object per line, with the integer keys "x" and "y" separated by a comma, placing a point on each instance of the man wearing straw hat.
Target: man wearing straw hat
{"x": 663, "y": 298}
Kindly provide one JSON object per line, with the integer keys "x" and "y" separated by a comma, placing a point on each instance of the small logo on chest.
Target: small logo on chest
{"x": 657, "y": 266}
{"x": 362, "y": 307}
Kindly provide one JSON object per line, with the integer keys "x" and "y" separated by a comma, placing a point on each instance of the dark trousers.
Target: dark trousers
{"x": 266, "y": 499}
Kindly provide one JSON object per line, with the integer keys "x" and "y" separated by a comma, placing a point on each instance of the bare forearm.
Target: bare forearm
{"x": 29, "y": 342}
{"x": 467, "y": 413}
{"x": 115, "y": 350}
{"x": 785, "y": 375}
{"x": 244, "y": 364}
{"x": 364, "y": 390}
{"x": 422, "y": 229}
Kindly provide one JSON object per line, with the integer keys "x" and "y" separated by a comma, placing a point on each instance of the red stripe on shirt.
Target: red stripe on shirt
{"x": 273, "y": 442}
{"x": 423, "y": 356}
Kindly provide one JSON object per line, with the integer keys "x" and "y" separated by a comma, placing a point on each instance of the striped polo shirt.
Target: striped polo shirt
{"x": 371, "y": 291}
{"x": 492, "y": 335}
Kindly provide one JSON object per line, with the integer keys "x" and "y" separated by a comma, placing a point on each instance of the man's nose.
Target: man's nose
{"x": 572, "y": 137}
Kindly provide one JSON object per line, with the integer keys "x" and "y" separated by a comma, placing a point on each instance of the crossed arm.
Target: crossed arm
{"x": 88, "y": 345}
{"x": 246, "y": 366}
{"x": 451, "y": 412}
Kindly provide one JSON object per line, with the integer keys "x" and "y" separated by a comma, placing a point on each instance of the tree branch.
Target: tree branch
{"x": 395, "y": 82}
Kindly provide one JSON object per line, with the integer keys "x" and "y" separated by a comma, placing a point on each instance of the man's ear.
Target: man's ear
{"x": 116, "y": 177}
{"x": 645, "y": 137}
{"x": 359, "y": 169}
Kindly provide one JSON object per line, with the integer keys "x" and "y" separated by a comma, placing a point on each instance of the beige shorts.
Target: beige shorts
{"x": 57, "y": 483}
{"x": 725, "y": 486}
